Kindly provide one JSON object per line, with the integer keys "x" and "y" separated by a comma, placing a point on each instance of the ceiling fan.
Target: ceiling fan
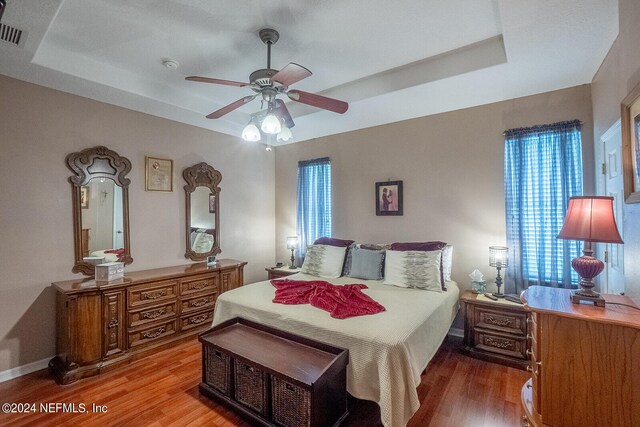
{"x": 270, "y": 83}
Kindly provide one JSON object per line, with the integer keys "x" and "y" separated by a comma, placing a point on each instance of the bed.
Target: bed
{"x": 387, "y": 351}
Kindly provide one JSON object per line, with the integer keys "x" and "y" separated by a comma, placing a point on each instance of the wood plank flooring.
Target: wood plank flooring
{"x": 162, "y": 390}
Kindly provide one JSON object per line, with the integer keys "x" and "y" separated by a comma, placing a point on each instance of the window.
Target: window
{"x": 542, "y": 169}
{"x": 314, "y": 201}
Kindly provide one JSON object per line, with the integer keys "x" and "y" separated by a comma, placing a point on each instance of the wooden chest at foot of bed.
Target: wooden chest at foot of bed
{"x": 273, "y": 377}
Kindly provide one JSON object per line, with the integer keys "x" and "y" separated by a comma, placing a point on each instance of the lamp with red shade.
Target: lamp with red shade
{"x": 590, "y": 219}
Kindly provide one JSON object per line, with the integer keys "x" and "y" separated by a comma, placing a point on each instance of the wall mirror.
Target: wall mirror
{"x": 100, "y": 208}
{"x": 202, "y": 196}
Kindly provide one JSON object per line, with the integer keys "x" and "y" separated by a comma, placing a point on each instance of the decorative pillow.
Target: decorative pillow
{"x": 418, "y": 246}
{"x": 414, "y": 269}
{"x": 425, "y": 246}
{"x": 375, "y": 246}
{"x": 366, "y": 264}
{"x": 324, "y": 261}
{"x": 347, "y": 260}
{"x": 330, "y": 241}
{"x": 447, "y": 262}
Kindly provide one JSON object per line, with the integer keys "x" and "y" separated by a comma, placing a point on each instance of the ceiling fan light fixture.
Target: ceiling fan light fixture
{"x": 271, "y": 124}
{"x": 251, "y": 133}
{"x": 284, "y": 135}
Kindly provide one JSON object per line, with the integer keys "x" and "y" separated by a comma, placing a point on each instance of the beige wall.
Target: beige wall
{"x": 618, "y": 75}
{"x": 451, "y": 165}
{"x": 38, "y": 128}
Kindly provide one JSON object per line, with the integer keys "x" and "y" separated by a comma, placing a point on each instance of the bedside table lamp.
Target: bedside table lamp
{"x": 498, "y": 258}
{"x": 590, "y": 219}
{"x": 292, "y": 243}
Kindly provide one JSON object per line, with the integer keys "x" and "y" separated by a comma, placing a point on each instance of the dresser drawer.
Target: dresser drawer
{"x": 152, "y": 293}
{"x": 152, "y": 314}
{"x": 199, "y": 284}
{"x": 196, "y": 320}
{"x": 150, "y": 333}
{"x": 199, "y": 302}
{"x": 502, "y": 321}
{"x": 501, "y": 344}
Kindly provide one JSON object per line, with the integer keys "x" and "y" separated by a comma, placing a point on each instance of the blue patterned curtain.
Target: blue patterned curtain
{"x": 542, "y": 169}
{"x": 314, "y": 202}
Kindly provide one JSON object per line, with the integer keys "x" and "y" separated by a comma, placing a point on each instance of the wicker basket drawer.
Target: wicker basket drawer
{"x": 198, "y": 284}
{"x": 198, "y": 303}
{"x": 152, "y": 293}
{"x": 291, "y": 405}
{"x": 251, "y": 387}
{"x": 218, "y": 370}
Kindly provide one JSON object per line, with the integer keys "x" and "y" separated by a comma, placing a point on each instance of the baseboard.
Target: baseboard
{"x": 24, "y": 369}
{"x": 456, "y": 332}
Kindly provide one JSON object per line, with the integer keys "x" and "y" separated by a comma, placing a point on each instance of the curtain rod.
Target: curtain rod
{"x": 544, "y": 127}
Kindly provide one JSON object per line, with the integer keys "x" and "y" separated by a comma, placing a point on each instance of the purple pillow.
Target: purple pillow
{"x": 418, "y": 246}
{"x": 330, "y": 241}
{"x": 423, "y": 247}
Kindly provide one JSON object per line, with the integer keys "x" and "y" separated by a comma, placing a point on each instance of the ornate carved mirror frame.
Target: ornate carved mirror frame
{"x": 202, "y": 175}
{"x": 97, "y": 162}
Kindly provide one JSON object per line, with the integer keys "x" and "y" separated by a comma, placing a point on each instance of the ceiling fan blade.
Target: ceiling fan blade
{"x": 282, "y": 111}
{"x": 229, "y": 108}
{"x": 290, "y": 74}
{"x": 319, "y": 101}
{"x": 216, "y": 81}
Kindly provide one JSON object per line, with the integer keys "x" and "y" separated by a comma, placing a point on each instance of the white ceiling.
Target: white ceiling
{"x": 391, "y": 60}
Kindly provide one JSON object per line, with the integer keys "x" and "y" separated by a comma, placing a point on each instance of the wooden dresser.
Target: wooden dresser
{"x": 585, "y": 361}
{"x": 101, "y": 325}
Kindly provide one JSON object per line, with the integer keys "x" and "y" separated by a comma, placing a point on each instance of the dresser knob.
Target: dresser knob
{"x": 528, "y": 353}
{"x": 529, "y": 368}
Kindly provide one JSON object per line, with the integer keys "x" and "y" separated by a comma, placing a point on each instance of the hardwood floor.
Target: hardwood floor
{"x": 162, "y": 390}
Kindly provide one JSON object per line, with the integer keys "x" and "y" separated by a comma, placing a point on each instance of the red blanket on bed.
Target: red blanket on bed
{"x": 341, "y": 301}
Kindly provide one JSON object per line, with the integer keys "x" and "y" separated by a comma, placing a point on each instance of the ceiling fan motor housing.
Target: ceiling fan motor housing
{"x": 262, "y": 77}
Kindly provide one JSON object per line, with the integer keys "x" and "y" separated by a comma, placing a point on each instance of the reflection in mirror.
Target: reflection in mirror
{"x": 100, "y": 191}
{"x": 202, "y": 196}
{"x": 102, "y": 221}
{"x": 203, "y": 220}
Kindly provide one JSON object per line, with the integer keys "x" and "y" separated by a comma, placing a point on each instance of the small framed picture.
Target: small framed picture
{"x": 84, "y": 197}
{"x": 158, "y": 174}
{"x": 389, "y": 198}
{"x": 212, "y": 203}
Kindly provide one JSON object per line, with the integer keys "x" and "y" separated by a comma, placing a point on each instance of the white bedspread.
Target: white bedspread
{"x": 387, "y": 351}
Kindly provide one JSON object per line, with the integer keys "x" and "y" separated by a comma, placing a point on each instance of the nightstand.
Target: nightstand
{"x": 495, "y": 330}
{"x": 278, "y": 272}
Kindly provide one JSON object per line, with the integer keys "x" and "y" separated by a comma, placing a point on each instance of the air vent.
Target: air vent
{"x": 12, "y": 35}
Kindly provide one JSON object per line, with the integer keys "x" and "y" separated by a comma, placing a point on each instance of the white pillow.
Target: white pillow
{"x": 413, "y": 269}
{"x": 324, "y": 261}
{"x": 447, "y": 262}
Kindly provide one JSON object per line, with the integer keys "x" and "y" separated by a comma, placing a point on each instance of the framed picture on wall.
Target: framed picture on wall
{"x": 389, "y": 198}
{"x": 158, "y": 174}
{"x": 631, "y": 145}
{"x": 84, "y": 197}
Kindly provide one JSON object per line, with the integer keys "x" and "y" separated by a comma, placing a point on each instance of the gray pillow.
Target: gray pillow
{"x": 366, "y": 264}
